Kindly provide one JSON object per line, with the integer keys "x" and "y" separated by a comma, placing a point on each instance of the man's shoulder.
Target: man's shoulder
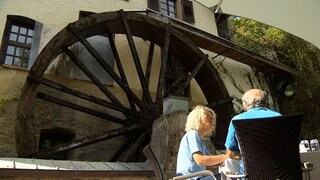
{"x": 243, "y": 115}
{"x": 256, "y": 113}
{"x": 270, "y": 113}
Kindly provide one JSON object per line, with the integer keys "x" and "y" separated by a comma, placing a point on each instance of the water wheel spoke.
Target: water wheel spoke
{"x": 105, "y": 65}
{"x": 176, "y": 82}
{"x": 219, "y": 103}
{"x": 191, "y": 75}
{"x": 82, "y": 95}
{"x": 149, "y": 62}
{"x": 74, "y": 106}
{"x": 133, "y": 147}
{"x": 164, "y": 59}
{"x": 136, "y": 59}
{"x": 122, "y": 148}
{"x": 94, "y": 79}
{"x": 86, "y": 141}
{"x": 120, "y": 67}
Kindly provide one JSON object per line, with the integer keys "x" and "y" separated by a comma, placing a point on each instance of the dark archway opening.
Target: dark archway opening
{"x": 53, "y": 137}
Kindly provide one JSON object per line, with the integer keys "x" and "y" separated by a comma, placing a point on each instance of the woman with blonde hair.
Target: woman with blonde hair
{"x": 193, "y": 155}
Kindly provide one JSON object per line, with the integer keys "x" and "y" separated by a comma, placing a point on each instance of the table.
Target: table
{"x": 230, "y": 166}
{"x": 313, "y": 157}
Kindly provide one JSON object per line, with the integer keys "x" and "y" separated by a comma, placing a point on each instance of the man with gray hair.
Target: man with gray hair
{"x": 254, "y": 106}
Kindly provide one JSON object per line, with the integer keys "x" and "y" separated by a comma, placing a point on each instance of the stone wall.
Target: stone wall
{"x": 50, "y": 116}
{"x": 11, "y": 82}
{"x": 165, "y": 139}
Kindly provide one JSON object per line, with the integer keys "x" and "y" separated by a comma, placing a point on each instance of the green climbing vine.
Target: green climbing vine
{"x": 4, "y": 101}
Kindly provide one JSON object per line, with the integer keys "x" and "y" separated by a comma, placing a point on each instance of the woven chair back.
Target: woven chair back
{"x": 270, "y": 147}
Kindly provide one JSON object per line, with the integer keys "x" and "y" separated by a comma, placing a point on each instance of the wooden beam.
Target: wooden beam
{"x": 88, "y": 97}
{"x": 105, "y": 65}
{"x": 135, "y": 56}
{"x": 191, "y": 75}
{"x": 81, "y": 108}
{"x": 165, "y": 55}
{"x": 86, "y": 141}
{"x": 120, "y": 68}
{"x": 84, "y": 69}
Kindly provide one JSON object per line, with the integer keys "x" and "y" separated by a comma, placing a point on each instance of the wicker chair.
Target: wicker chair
{"x": 270, "y": 147}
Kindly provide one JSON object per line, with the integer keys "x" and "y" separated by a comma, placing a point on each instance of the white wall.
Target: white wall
{"x": 56, "y": 14}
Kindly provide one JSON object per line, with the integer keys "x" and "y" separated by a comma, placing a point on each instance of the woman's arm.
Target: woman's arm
{"x": 208, "y": 160}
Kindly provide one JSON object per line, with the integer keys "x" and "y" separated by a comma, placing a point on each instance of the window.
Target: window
{"x": 187, "y": 11}
{"x": 168, "y": 7}
{"x": 18, "y": 41}
{"x": 18, "y": 50}
{"x": 180, "y": 9}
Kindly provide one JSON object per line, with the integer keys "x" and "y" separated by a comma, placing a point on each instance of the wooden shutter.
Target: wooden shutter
{"x": 187, "y": 11}
{"x": 154, "y": 5}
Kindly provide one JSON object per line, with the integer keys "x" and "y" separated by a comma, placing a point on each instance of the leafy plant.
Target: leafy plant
{"x": 296, "y": 53}
{"x": 4, "y": 101}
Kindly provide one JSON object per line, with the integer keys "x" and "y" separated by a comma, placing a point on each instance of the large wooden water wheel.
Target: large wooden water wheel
{"x": 135, "y": 115}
